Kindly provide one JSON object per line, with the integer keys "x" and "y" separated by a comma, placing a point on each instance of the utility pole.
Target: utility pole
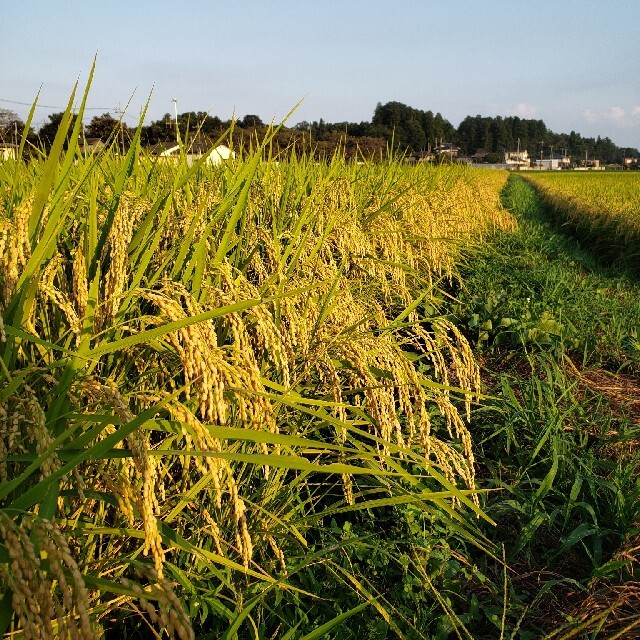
{"x": 175, "y": 110}
{"x": 120, "y": 113}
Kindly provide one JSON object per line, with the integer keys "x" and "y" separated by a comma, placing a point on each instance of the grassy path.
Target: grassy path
{"x": 558, "y": 336}
{"x": 540, "y": 288}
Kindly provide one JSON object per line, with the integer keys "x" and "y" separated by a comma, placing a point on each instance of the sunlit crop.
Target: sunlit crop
{"x": 604, "y": 207}
{"x": 200, "y": 364}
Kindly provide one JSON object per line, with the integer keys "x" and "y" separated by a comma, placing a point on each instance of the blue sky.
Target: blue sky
{"x": 573, "y": 63}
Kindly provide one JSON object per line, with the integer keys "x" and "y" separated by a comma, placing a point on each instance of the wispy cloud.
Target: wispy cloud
{"x": 616, "y": 115}
{"x": 520, "y": 109}
{"x": 525, "y": 110}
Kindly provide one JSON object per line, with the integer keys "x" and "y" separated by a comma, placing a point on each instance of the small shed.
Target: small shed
{"x": 87, "y": 146}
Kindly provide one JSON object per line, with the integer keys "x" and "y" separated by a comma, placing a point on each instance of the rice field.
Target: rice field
{"x": 603, "y": 206}
{"x": 203, "y": 366}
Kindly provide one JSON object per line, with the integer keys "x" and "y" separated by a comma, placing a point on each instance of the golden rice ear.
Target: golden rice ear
{"x": 51, "y": 604}
{"x": 80, "y": 284}
{"x": 168, "y": 613}
{"x": 115, "y": 253}
{"x": 15, "y": 246}
{"x": 334, "y": 261}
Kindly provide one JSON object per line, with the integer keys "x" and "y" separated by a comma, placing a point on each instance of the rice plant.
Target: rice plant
{"x": 603, "y": 208}
{"x": 201, "y": 365}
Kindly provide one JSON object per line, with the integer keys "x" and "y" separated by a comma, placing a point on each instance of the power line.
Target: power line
{"x": 49, "y": 106}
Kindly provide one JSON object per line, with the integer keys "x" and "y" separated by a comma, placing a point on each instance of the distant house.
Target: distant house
{"x": 220, "y": 154}
{"x": 421, "y": 156}
{"x": 159, "y": 148}
{"x": 165, "y": 151}
{"x": 479, "y": 157}
{"x": 630, "y": 163}
{"x": 517, "y": 159}
{"x": 448, "y": 149}
{"x": 87, "y": 146}
{"x": 195, "y": 149}
{"x": 553, "y": 163}
{"x": 590, "y": 165}
{"x": 8, "y": 151}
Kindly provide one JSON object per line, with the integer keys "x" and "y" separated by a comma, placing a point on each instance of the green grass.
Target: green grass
{"x": 561, "y": 454}
{"x": 540, "y": 288}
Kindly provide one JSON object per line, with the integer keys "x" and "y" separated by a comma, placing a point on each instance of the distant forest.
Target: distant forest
{"x": 415, "y": 130}
{"x": 395, "y": 127}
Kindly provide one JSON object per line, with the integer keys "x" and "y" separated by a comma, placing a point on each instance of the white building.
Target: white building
{"x": 220, "y": 154}
{"x": 554, "y": 163}
{"x": 195, "y": 151}
{"x": 517, "y": 159}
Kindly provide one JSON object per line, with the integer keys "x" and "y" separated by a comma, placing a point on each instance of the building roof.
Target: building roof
{"x": 197, "y": 145}
{"x": 220, "y": 153}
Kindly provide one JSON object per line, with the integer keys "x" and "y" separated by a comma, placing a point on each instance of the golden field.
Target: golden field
{"x": 202, "y": 364}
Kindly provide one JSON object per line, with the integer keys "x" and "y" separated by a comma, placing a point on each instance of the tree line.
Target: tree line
{"x": 394, "y": 127}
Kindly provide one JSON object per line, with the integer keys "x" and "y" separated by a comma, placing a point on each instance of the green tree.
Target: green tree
{"x": 11, "y": 126}
{"x": 48, "y": 131}
{"x": 103, "y": 127}
{"x": 502, "y": 137}
{"x": 251, "y": 121}
{"x": 468, "y": 134}
{"x": 161, "y": 130}
{"x": 410, "y": 128}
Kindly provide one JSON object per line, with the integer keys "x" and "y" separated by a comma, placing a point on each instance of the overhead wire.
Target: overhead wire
{"x": 49, "y": 106}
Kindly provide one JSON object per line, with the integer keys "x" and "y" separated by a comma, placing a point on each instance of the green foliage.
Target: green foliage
{"x": 410, "y": 128}
{"x": 47, "y": 132}
{"x": 561, "y": 456}
{"x": 106, "y": 127}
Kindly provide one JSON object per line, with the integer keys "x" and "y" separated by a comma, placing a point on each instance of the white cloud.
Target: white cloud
{"x": 521, "y": 109}
{"x": 616, "y": 115}
{"x": 524, "y": 110}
